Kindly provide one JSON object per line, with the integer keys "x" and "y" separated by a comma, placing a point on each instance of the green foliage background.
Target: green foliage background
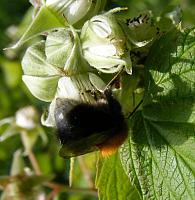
{"x": 14, "y": 17}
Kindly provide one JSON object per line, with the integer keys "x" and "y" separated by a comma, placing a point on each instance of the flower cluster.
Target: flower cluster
{"x": 71, "y": 61}
{"x": 84, "y": 50}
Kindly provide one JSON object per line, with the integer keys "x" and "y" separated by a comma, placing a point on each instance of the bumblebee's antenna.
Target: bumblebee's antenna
{"x": 134, "y": 110}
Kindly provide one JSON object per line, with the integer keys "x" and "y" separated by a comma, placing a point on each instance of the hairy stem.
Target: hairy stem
{"x": 86, "y": 172}
{"x": 34, "y": 163}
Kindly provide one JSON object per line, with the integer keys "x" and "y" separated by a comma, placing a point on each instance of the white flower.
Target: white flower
{"x": 104, "y": 44}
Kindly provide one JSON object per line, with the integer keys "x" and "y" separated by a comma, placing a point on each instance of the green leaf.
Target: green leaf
{"x": 112, "y": 182}
{"x": 159, "y": 159}
{"x": 159, "y": 156}
{"x": 12, "y": 72}
{"x": 127, "y": 96}
{"x": 172, "y": 68}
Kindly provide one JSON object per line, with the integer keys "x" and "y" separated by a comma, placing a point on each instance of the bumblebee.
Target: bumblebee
{"x": 83, "y": 127}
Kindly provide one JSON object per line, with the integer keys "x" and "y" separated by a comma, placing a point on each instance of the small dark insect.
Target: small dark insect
{"x": 84, "y": 127}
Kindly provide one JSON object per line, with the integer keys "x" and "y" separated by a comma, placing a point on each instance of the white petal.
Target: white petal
{"x": 66, "y": 89}
{"x": 103, "y": 50}
{"x": 101, "y": 27}
{"x": 77, "y": 10}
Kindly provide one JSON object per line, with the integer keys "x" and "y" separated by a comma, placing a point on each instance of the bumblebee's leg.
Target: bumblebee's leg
{"x": 113, "y": 80}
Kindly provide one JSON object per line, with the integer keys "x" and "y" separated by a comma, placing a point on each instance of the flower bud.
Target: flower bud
{"x": 76, "y": 11}
{"x": 104, "y": 44}
{"x": 27, "y": 117}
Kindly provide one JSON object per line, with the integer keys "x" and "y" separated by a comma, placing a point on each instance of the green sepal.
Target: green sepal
{"x": 51, "y": 20}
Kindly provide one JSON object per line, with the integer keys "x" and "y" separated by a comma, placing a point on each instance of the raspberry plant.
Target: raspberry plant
{"x": 84, "y": 45}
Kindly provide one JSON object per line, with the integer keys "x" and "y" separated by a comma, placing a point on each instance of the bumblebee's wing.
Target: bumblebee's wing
{"x": 83, "y": 145}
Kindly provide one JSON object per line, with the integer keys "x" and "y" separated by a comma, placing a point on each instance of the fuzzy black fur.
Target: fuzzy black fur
{"x": 77, "y": 121}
